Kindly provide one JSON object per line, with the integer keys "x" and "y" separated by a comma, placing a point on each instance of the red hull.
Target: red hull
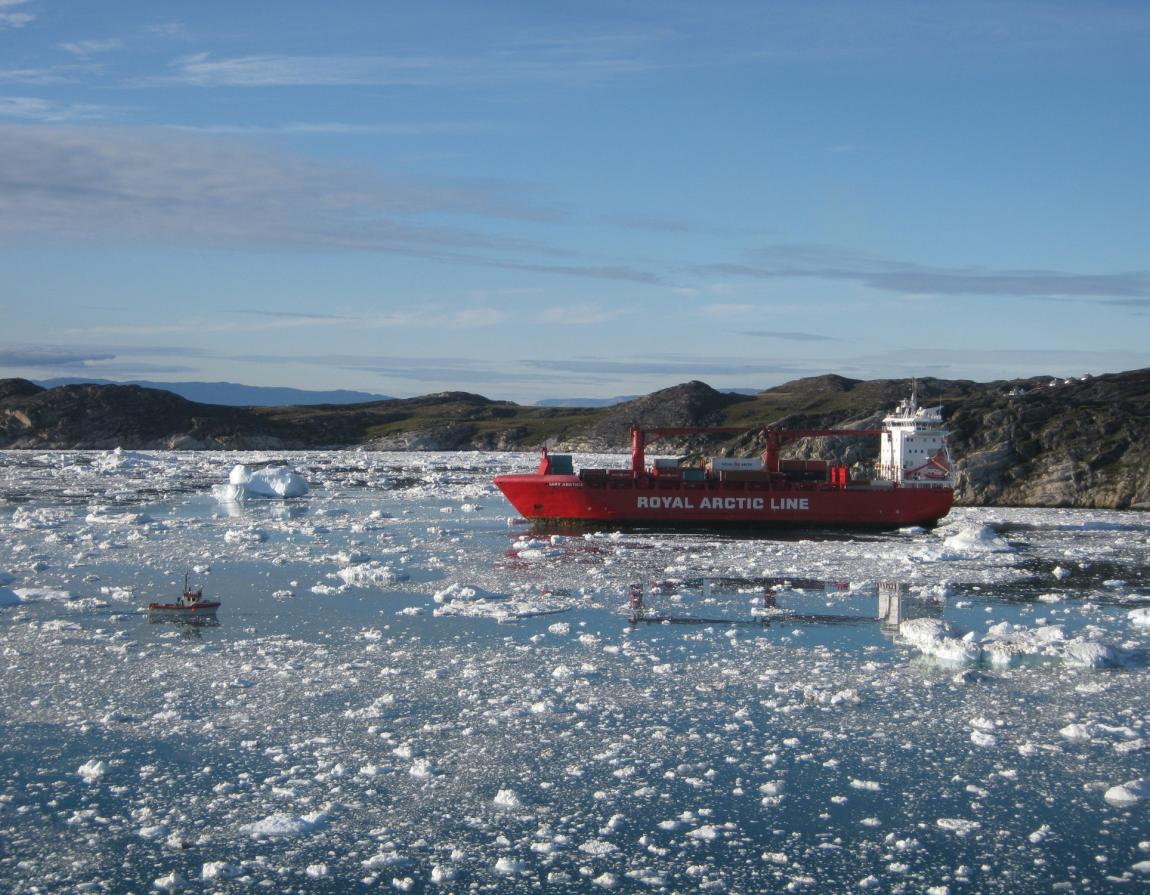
{"x": 649, "y": 501}
{"x": 201, "y": 608}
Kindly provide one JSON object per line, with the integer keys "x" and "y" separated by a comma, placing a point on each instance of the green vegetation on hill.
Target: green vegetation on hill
{"x": 1039, "y": 442}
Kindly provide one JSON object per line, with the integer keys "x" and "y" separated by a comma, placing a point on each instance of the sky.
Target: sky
{"x": 552, "y": 200}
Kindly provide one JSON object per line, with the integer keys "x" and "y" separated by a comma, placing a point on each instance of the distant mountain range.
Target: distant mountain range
{"x": 621, "y": 399}
{"x": 1035, "y": 442}
{"x": 232, "y": 394}
{"x": 584, "y": 402}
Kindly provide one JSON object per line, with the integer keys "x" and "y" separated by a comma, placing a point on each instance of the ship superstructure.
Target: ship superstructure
{"x": 913, "y": 451}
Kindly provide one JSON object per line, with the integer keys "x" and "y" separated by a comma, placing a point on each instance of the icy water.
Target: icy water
{"x": 408, "y": 689}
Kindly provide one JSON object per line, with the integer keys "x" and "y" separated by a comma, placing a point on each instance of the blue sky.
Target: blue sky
{"x": 534, "y": 200}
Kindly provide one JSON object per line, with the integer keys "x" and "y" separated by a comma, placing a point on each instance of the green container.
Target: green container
{"x": 561, "y": 464}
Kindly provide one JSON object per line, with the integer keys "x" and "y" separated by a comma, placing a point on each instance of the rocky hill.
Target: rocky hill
{"x": 1037, "y": 442}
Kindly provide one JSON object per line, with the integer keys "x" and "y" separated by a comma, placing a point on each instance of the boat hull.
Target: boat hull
{"x": 192, "y": 609}
{"x": 649, "y": 501}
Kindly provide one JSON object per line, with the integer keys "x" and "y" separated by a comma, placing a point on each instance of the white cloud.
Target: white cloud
{"x": 91, "y": 183}
{"x": 39, "y": 76}
{"x": 579, "y": 315}
{"x": 13, "y": 19}
{"x": 834, "y": 263}
{"x": 573, "y": 62}
{"x": 50, "y": 356}
{"x": 69, "y": 185}
{"x": 32, "y": 108}
{"x": 90, "y": 47}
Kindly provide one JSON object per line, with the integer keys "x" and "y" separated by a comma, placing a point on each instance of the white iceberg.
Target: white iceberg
{"x": 267, "y": 483}
{"x": 281, "y": 824}
{"x": 1128, "y": 793}
{"x": 940, "y": 639}
{"x": 1140, "y": 617}
{"x": 371, "y": 574}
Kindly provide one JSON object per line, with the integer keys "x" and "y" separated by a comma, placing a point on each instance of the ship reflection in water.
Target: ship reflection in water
{"x": 786, "y": 600}
{"x": 189, "y": 625}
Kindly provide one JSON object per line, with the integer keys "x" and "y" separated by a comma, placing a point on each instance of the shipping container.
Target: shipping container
{"x": 722, "y": 464}
{"x": 744, "y": 475}
{"x": 561, "y": 464}
{"x": 803, "y": 466}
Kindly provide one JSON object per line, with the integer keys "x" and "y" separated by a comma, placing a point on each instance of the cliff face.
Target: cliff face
{"x": 1021, "y": 443}
{"x": 1081, "y": 443}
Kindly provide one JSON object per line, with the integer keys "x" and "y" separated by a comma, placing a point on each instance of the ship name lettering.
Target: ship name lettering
{"x": 731, "y": 503}
{"x": 790, "y": 503}
{"x": 664, "y": 503}
{"x": 668, "y": 502}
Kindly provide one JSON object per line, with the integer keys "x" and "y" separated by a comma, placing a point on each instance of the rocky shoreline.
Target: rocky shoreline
{"x": 1035, "y": 442}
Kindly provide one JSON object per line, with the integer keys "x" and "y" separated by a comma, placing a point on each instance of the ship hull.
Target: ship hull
{"x": 647, "y": 501}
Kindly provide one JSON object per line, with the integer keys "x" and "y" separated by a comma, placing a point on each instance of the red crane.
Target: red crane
{"x": 775, "y": 439}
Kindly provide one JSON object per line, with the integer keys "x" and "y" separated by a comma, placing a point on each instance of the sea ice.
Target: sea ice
{"x": 782, "y": 761}
{"x": 269, "y": 482}
{"x": 977, "y": 539}
{"x": 282, "y": 824}
{"x": 371, "y": 574}
{"x": 92, "y": 771}
{"x": 1128, "y": 793}
{"x": 1140, "y": 616}
{"x": 940, "y": 639}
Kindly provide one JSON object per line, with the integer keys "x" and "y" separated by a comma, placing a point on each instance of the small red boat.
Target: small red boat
{"x": 191, "y": 602}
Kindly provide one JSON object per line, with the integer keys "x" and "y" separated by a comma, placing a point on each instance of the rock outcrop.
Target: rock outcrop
{"x": 1037, "y": 442}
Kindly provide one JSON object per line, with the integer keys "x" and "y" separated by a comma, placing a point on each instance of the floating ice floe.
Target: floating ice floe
{"x": 941, "y": 640}
{"x": 957, "y": 825}
{"x": 37, "y": 594}
{"x": 249, "y": 535}
{"x": 220, "y": 870}
{"x": 1140, "y": 617}
{"x": 173, "y": 882}
{"x": 371, "y": 574}
{"x": 465, "y": 593}
{"x": 472, "y": 601}
{"x": 119, "y": 460}
{"x": 285, "y": 825}
{"x": 268, "y": 483}
{"x": 1089, "y": 654}
{"x": 1128, "y": 793}
{"x": 102, "y": 516}
{"x": 532, "y": 548}
{"x": 1007, "y": 644}
{"x": 93, "y": 770}
{"x": 977, "y": 539}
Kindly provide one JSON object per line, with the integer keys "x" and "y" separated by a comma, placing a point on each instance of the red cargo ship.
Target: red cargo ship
{"x": 912, "y": 483}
